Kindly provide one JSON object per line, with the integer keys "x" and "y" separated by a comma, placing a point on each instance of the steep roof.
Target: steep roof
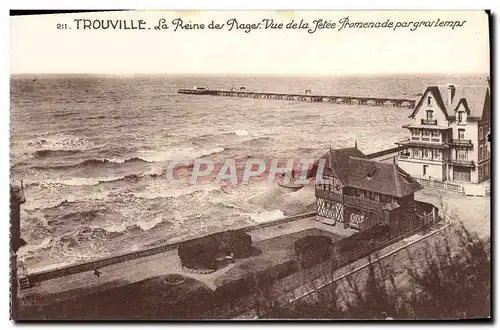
{"x": 474, "y": 98}
{"x": 383, "y": 178}
{"x": 338, "y": 160}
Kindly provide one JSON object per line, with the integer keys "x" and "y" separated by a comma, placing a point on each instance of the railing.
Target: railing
{"x": 461, "y": 162}
{"x": 429, "y": 121}
{"x": 361, "y": 202}
{"x": 441, "y": 185}
{"x": 326, "y": 194}
{"x": 462, "y": 142}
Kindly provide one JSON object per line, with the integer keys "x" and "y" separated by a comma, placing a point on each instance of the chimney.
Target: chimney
{"x": 451, "y": 94}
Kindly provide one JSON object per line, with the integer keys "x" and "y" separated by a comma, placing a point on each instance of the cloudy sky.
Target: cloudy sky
{"x": 37, "y": 46}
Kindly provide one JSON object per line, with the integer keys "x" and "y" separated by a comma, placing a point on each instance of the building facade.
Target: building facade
{"x": 448, "y": 135}
{"x": 356, "y": 192}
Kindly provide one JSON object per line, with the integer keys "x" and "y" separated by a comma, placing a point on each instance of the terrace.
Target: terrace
{"x": 273, "y": 245}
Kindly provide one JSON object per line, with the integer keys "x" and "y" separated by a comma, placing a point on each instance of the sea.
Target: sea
{"x": 92, "y": 152}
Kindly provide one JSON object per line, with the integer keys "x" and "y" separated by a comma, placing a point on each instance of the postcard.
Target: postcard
{"x": 250, "y": 165}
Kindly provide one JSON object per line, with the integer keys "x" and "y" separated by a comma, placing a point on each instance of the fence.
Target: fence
{"x": 455, "y": 187}
{"x": 307, "y": 276}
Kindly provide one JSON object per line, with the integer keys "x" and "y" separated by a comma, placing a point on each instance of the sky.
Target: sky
{"x": 37, "y": 46}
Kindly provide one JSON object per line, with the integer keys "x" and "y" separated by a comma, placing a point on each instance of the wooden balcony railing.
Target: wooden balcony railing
{"x": 429, "y": 121}
{"x": 326, "y": 194}
{"x": 461, "y": 162}
{"x": 362, "y": 202}
{"x": 462, "y": 142}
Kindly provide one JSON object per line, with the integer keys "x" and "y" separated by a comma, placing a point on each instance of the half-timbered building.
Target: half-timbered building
{"x": 355, "y": 192}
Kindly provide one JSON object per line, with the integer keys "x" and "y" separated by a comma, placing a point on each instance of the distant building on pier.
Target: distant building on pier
{"x": 357, "y": 192}
{"x": 448, "y": 135}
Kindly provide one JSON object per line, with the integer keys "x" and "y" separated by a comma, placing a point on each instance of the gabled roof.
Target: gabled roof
{"x": 383, "y": 178}
{"x": 474, "y": 98}
{"x": 338, "y": 160}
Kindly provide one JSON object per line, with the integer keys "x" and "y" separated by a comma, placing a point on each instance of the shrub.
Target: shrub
{"x": 199, "y": 253}
{"x": 313, "y": 249}
{"x": 237, "y": 242}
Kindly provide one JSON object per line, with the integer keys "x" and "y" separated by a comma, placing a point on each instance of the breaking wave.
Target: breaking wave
{"x": 54, "y": 153}
{"x": 84, "y": 181}
{"x": 92, "y": 162}
{"x": 57, "y": 143}
{"x": 180, "y": 154}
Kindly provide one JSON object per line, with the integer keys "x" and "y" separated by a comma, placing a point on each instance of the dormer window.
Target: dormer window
{"x": 461, "y": 116}
{"x": 430, "y": 115}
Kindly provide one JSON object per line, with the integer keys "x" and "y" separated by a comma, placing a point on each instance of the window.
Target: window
{"x": 461, "y": 134}
{"x": 430, "y": 115}
{"x": 385, "y": 198}
{"x": 481, "y": 133}
{"x": 415, "y": 132}
{"x": 426, "y": 132}
{"x": 436, "y": 154}
{"x": 481, "y": 153}
{"x": 435, "y": 134}
{"x": 416, "y": 152}
{"x": 425, "y": 169}
{"x": 425, "y": 153}
{"x": 460, "y": 116}
{"x": 462, "y": 154}
{"x": 429, "y": 101}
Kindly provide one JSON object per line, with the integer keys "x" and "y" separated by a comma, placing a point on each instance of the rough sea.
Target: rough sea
{"x": 92, "y": 152}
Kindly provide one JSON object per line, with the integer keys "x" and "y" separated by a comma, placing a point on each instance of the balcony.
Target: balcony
{"x": 461, "y": 162}
{"x": 429, "y": 122}
{"x": 362, "y": 202}
{"x": 326, "y": 194}
{"x": 462, "y": 142}
{"x": 423, "y": 143}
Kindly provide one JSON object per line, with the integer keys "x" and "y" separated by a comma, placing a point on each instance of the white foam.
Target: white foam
{"x": 241, "y": 132}
{"x": 57, "y": 142}
{"x": 177, "y": 154}
{"x": 266, "y": 216}
{"x": 157, "y": 190}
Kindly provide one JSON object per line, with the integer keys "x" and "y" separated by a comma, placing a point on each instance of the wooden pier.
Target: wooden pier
{"x": 306, "y": 97}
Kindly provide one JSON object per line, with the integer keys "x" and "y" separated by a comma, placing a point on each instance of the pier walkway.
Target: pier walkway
{"x": 306, "y": 97}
